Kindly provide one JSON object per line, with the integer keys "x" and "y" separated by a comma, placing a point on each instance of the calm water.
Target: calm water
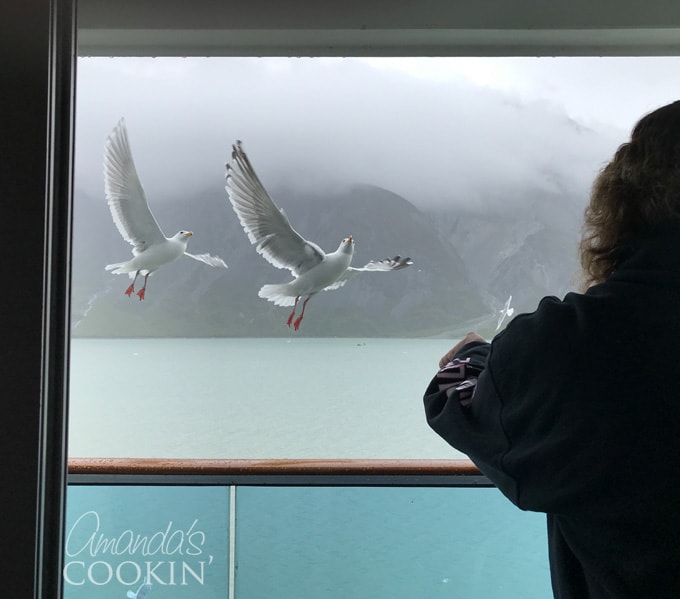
{"x": 253, "y": 398}
{"x": 280, "y": 398}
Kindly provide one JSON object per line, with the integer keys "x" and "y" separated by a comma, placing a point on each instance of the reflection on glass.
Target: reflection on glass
{"x": 476, "y": 169}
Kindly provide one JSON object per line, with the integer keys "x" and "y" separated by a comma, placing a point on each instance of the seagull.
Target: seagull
{"x": 142, "y": 592}
{"x": 268, "y": 228}
{"x": 505, "y": 311}
{"x": 135, "y": 222}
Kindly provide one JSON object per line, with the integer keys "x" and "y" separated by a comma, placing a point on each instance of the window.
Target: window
{"x": 476, "y": 168}
{"x": 127, "y": 27}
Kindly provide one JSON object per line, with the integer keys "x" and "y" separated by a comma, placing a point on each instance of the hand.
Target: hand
{"x": 469, "y": 338}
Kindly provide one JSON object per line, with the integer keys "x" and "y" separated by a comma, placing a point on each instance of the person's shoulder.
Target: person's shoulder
{"x": 543, "y": 339}
{"x": 552, "y": 315}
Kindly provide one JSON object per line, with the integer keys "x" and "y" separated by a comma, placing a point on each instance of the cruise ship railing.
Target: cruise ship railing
{"x": 303, "y": 529}
{"x": 308, "y": 472}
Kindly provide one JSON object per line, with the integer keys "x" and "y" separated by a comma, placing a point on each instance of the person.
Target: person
{"x": 574, "y": 409}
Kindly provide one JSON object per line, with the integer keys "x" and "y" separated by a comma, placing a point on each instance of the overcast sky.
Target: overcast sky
{"x": 428, "y": 129}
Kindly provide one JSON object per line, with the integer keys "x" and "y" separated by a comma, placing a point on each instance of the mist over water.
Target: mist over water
{"x": 495, "y": 155}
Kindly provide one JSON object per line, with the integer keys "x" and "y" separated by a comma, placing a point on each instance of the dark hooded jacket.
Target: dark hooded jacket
{"x": 576, "y": 413}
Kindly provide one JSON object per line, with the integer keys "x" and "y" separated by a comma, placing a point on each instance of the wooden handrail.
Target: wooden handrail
{"x": 169, "y": 466}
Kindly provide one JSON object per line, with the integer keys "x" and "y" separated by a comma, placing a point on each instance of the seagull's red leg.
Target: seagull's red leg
{"x": 140, "y": 293}
{"x": 298, "y": 320}
{"x": 290, "y": 318}
{"x": 131, "y": 288}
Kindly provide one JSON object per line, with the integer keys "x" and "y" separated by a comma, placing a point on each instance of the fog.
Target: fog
{"x": 498, "y": 155}
{"x": 459, "y": 131}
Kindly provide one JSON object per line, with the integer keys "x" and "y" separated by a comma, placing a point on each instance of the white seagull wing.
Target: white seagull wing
{"x": 208, "y": 259}
{"x": 339, "y": 283}
{"x": 265, "y": 224}
{"x": 501, "y": 318}
{"x": 143, "y": 591}
{"x": 386, "y": 265}
{"x": 505, "y": 311}
{"x": 125, "y": 194}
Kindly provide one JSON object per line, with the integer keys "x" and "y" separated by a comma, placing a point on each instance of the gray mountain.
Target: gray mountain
{"x": 525, "y": 247}
{"x": 190, "y": 299}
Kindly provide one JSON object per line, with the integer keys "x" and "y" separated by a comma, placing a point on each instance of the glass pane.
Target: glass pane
{"x": 120, "y": 538}
{"x": 476, "y": 169}
{"x": 387, "y": 543}
{"x": 301, "y": 542}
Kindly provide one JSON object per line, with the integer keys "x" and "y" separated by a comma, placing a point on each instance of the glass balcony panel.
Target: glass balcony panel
{"x": 119, "y": 537}
{"x": 396, "y": 543}
{"x": 302, "y": 543}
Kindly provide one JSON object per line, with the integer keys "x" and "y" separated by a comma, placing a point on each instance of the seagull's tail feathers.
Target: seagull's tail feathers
{"x": 279, "y": 294}
{"x": 121, "y": 268}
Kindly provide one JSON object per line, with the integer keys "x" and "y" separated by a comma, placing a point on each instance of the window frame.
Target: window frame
{"x": 36, "y": 115}
{"x": 36, "y": 118}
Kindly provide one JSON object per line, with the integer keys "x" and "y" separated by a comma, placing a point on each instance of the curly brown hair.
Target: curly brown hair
{"x": 638, "y": 189}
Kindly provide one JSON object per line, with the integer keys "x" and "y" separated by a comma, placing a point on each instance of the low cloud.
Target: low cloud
{"x": 312, "y": 122}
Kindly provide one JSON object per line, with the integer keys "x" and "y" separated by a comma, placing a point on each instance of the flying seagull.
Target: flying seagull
{"x": 142, "y": 592}
{"x": 268, "y": 229}
{"x": 505, "y": 311}
{"x": 150, "y": 247}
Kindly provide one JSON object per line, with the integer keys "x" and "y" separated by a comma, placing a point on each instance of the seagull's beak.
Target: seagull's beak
{"x": 190, "y": 233}
{"x": 350, "y": 239}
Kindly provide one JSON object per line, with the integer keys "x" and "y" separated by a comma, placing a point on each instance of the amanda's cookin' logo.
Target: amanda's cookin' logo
{"x": 170, "y": 556}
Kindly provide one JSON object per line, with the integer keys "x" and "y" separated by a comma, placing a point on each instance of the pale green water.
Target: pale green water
{"x": 253, "y": 398}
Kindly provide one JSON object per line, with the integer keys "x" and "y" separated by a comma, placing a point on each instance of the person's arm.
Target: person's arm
{"x": 460, "y": 367}
{"x": 462, "y": 407}
{"x": 522, "y": 426}
{"x": 469, "y": 338}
